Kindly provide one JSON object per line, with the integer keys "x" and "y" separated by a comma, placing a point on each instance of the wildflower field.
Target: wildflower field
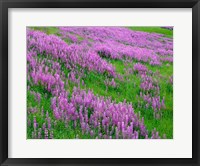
{"x": 99, "y": 82}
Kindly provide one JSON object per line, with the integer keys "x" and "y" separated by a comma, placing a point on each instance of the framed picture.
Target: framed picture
{"x": 104, "y": 82}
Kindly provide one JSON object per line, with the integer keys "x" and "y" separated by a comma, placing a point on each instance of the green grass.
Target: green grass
{"x": 47, "y": 30}
{"x": 166, "y": 32}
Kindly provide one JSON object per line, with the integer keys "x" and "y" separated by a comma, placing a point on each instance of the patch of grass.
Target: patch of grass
{"x": 80, "y": 38}
{"x": 168, "y": 33}
{"x": 124, "y": 90}
{"x": 47, "y": 30}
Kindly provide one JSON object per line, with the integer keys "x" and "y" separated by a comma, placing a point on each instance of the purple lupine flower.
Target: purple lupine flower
{"x": 46, "y": 134}
{"x": 42, "y": 111}
{"x": 29, "y": 122}
{"x": 51, "y": 135}
{"x": 44, "y": 126}
{"x": 39, "y": 133}
{"x": 33, "y": 135}
{"x": 34, "y": 123}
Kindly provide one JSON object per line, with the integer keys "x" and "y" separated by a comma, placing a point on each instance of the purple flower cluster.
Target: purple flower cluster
{"x": 45, "y": 131}
{"x": 111, "y": 83}
{"x": 147, "y": 83}
{"x": 99, "y": 116}
{"x": 171, "y": 80}
{"x": 140, "y": 68}
{"x": 150, "y": 90}
{"x": 117, "y": 43}
{"x": 37, "y": 96}
{"x": 155, "y": 103}
{"x": 71, "y": 55}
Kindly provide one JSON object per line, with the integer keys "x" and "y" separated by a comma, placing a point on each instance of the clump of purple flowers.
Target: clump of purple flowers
{"x": 98, "y": 116}
{"x": 140, "y": 68}
{"x": 44, "y": 131}
{"x": 120, "y": 42}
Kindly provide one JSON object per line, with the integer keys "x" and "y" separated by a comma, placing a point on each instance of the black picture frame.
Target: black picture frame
{"x": 6, "y": 4}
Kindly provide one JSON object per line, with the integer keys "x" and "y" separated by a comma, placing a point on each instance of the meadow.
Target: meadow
{"x": 99, "y": 82}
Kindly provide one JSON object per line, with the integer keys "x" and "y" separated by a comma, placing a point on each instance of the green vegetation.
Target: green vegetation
{"x": 47, "y": 30}
{"x": 166, "y": 32}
